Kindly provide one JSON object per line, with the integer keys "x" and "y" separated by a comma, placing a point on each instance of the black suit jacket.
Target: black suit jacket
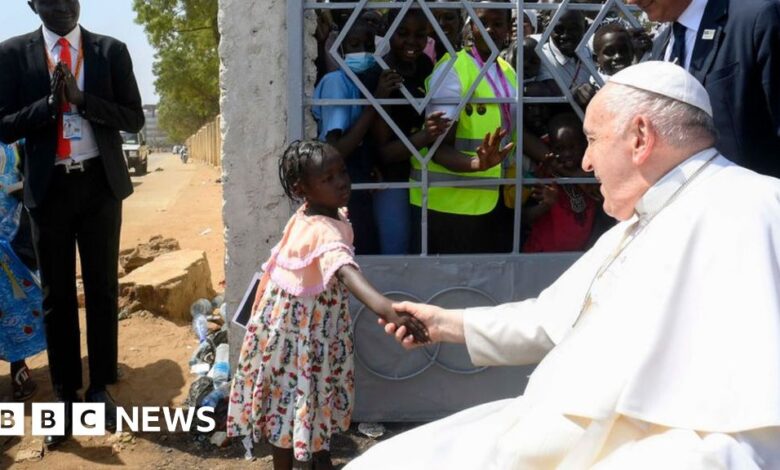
{"x": 112, "y": 103}
{"x": 740, "y": 68}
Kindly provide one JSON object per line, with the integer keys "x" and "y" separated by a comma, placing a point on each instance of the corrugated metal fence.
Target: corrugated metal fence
{"x": 206, "y": 144}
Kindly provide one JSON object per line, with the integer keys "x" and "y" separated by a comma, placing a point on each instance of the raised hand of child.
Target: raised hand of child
{"x": 584, "y": 93}
{"x": 550, "y": 167}
{"x": 547, "y": 194}
{"x": 436, "y": 124}
{"x": 324, "y": 25}
{"x": 389, "y": 81}
{"x": 490, "y": 153}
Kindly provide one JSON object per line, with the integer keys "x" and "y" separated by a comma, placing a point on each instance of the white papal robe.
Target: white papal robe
{"x": 672, "y": 363}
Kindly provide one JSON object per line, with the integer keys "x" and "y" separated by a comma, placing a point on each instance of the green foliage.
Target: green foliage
{"x": 185, "y": 35}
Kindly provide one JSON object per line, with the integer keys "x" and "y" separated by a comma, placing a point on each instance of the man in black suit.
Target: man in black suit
{"x": 69, "y": 92}
{"x": 733, "y": 48}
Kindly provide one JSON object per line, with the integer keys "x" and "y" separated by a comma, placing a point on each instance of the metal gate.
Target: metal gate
{"x": 431, "y": 382}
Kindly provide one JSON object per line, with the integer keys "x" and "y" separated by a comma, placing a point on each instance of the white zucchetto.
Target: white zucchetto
{"x": 666, "y": 79}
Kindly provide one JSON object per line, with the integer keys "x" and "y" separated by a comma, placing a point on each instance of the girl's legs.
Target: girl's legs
{"x": 283, "y": 458}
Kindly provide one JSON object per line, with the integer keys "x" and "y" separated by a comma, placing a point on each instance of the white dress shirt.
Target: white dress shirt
{"x": 86, "y": 147}
{"x": 691, "y": 19}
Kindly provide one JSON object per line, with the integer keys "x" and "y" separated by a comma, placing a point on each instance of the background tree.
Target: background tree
{"x": 185, "y": 36}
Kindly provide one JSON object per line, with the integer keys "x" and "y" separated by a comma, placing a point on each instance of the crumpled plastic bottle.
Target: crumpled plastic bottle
{"x": 218, "y": 395}
{"x": 221, "y": 370}
{"x": 200, "y": 327}
{"x": 201, "y": 307}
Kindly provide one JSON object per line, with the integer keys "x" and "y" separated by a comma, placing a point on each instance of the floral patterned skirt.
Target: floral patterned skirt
{"x": 294, "y": 382}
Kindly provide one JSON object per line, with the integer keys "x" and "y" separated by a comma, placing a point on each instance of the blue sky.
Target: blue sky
{"x": 112, "y": 17}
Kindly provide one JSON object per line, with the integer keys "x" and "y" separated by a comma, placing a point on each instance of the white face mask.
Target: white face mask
{"x": 359, "y": 61}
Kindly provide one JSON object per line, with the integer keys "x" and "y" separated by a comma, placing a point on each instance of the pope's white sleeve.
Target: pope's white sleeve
{"x": 508, "y": 334}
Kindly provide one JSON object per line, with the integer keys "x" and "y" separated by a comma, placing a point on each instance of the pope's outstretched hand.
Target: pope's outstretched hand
{"x": 443, "y": 325}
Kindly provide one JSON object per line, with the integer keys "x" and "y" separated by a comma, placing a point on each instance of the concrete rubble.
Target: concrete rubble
{"x": 168, "y": 285}
{"x": 131, "y": 259}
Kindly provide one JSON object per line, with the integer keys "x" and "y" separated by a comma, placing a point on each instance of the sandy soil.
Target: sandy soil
{"x": 183, "y": 202}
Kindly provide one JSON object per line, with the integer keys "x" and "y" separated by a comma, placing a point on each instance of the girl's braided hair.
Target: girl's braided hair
{"x": 293, "y": 162}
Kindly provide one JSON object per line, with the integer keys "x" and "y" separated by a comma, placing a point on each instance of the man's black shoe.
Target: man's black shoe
{"x": 53, "y": 441}
{"x": 102, "y": 396}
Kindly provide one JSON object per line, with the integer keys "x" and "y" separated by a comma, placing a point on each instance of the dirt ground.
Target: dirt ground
{"x": 183, "y": 202}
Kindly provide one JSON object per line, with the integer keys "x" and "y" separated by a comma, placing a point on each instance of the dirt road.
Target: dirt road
{"x": 183, "y": 202}
{"x": 178, "y": 201}
{"x": 174, "y": 200}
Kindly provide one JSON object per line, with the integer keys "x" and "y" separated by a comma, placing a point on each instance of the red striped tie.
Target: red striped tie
{"x": 63, "y": 144}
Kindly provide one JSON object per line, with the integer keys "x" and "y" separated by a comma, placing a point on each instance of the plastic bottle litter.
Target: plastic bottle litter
{"x": 217, "y": 301}
{"x": 201, "y": 307}
{"x": 201, "y": 327}
{"x": 221, "y": 370}
{"x": 200, "y": 368}
{"x": 223, "y": 312}
{"x": 372, "y": 430}
{"x": 219, "y": 438}
{"x": 217, "y": 396}
{"x": 201, "y": 387}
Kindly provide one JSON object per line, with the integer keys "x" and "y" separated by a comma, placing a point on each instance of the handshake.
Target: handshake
{"x": 415, "y": 324}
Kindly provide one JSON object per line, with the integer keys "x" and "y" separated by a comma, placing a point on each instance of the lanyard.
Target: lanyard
{"x": 79, "y": 60}
{"x": 506, "y": 114}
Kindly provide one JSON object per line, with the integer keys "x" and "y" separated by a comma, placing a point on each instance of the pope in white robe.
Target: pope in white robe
{"x": 660, "y": 347}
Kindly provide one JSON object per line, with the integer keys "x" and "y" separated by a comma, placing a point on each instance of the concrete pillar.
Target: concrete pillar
{"x": 253, "y": 77}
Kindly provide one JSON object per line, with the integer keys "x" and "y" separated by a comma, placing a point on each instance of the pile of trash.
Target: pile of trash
{"x": 211, "y": 363}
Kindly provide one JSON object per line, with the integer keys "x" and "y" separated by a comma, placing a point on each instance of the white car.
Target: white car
{"x": 136, "y": 152}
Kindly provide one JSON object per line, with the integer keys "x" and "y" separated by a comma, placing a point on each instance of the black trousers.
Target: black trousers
{"x": 79, "y": 211}
{"x": 464, "y": 234}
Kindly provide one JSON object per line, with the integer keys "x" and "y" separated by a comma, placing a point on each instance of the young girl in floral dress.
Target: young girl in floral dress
{"x": 294, "y": 381}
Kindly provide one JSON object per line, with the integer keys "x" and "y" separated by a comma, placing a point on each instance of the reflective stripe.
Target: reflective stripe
{"x": 467, "y": 145}
{"x": 416, "y": 175}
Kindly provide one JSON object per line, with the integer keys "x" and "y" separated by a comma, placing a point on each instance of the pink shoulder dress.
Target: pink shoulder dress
{"x": 294, "y": 382}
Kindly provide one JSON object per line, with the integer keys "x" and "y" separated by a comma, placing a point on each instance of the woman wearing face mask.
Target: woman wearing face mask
{"x": 346, "y": 127}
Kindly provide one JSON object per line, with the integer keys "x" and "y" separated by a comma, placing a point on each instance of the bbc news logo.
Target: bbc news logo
{"x": 89, "y": 419}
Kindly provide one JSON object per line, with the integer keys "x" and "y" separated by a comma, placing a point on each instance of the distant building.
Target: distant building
{"x": 155, "y": 137}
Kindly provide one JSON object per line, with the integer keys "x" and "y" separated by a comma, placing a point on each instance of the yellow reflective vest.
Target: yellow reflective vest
{"x": 474, "y": 122}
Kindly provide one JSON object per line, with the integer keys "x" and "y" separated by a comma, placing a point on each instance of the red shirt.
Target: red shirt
{"x": 561, "y": 229}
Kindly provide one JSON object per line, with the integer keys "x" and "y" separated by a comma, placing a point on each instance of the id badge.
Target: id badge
{"x": 71, "y": 126}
